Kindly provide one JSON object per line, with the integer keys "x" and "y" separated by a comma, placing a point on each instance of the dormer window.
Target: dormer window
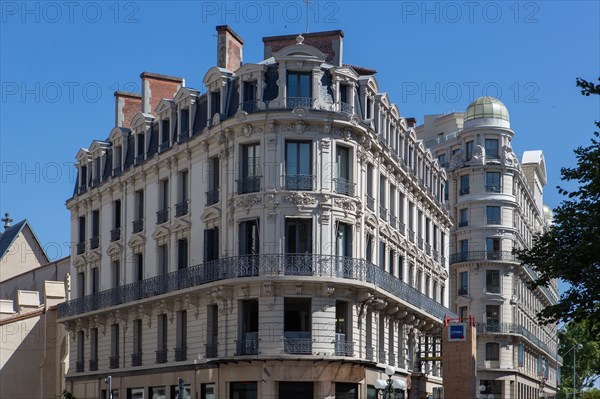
{"x": 140, "y": 147}
{"x": 250, "y": 96}
{"x": 184, "y": 119}
{"x": 97, "y": 171}
{"x": 165, "y": 134}
{"x": 117, "y": 159}
{"x": 369, "y": 108}
{"x": 299, "y": 89}
{"x": 215, "y": 102}
{"x": 82, "y": 178}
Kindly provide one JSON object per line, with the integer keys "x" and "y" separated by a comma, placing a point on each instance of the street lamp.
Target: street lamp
{"x": 390, "y": 389}
{"x": 108, "y": 381}
{"x": 576, "y": 346}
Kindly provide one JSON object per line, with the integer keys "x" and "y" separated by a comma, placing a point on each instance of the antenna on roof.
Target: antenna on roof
{"x": 6, "y": 221}
{"x": 306, "y": 16}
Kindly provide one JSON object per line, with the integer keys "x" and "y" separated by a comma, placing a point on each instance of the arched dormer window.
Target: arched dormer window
{"x": 167, "y": 117}
{"x": 215, "y": 81}
{"x": 186, "y": 102}
{"x": 97, "y": 152}
{"x": 83, "y": 162}
{"x": 119, "y": 138}
{"x": 141, "y": 125}
{"x": 252, "y": 82}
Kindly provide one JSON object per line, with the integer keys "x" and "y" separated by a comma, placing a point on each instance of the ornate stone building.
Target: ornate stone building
{"x": 496, "y": 203}
{"x": 281, "y": 235}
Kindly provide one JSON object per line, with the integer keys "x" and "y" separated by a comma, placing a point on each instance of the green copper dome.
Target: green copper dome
{"x": 486, "y": 107}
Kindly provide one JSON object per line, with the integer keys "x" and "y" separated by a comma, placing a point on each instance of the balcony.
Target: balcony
{"x": 161, "y": 356}
{"x": 392, "y": 220}
{"x": 115, "y": 234}
{"x": 79, "y": 366}
{"x": 183, "y": 136}
{"x": 420, "y": 242}
{"x": 181, "y": 209}
{"x": 342, "y": 346}
{"x": 435, "y": 255}
{"x": 411, "y": 235}
{"x": 346, "y": 108}
{"x": 493, "y": 289}
{"x": 117, "y": 170}
{"x": 382, "y": 140}
{"x": 212, "y": 197}
{"x": 463, "y": 223}
{"x": 482, "y": 255}
{"x": 297, "y": 342}
{"x": 293, "y": 102}
{"x": 383, "y": 212}
{"x": 94, "y": 242}
{"x": 514, "y": 328}
{"x": 463, "y": 291}
{"x": 250, "y": 184}
{"x": 248, "y": 344}
{"x": 343, "y": 186}
{"x": 427, "y": 248}
{"x": 250, "y": 106}
{"x": 299, "y": 182}
{"x": 370, "y": 202}
{"x": 464, "y": 191}
{"x": 162, "y": 216}
{"x": 95, "y": 181}
{"x": 93, "y": 364}
{"x": 369, "y": 353}
{"x": 250, "y": 266}
{"x": 181, "y": 354}
{"x": 382, "y": 357}
{"x": 138, "y": 225}
{"x": 139, "y": 159}
{"x": 80, "y": 248}
{"x": 136, "y": 359}
{"x": 402, "y": 228}
{"x": 164, "y": 146}
{"x": 82, "y": 189}
{"x": 113, "y": 362}
{"x": 493, "y": 189}
{"x": 212, "y": 350}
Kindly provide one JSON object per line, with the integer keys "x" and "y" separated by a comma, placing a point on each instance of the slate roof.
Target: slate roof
{"x": 9, "y": 236}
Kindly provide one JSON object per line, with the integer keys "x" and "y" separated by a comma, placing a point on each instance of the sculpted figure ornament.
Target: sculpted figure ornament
{"x": 478, "y": 157}
{"x": 456, "y": 160}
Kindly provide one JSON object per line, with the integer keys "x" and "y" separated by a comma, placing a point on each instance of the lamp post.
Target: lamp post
{"x": 574, "y": 349}
{"x": 108, "y": 381}
{"x": 390, "y": 389}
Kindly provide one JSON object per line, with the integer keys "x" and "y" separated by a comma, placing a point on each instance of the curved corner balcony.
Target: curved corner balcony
{"x": 471, "y": 256}
{"x": 256, "y": 266}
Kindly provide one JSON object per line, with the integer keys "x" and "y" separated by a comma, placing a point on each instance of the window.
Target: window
{"x": 442, "y": 160}
{"x": 156, "y": 393}
{"x": 463, "y": 217}
{"x": 212, "y": 195}
{"x": 93, "y": 349}
{"x": 492, "y": 182}
{"x": 369, "y": 108}
{"x": 138, "y": 223}
{"x": 116, "y": 217}
{"x": 244, "y": 390}
{"x": 114, "y": 346}
{"x": 342, "y": 180}
{"x": 297, "y": 325}
{"x": 80, "y": 351}
{"x": 116, "y": 274}
{"x": 182, "y": 253}
{"x": 163, "y": 202}
{"x": 382, "y": 255}
{"x": 212, "y": 330}
{"x": 211, "y": 244}
{"x": 463, "y": 313}
{"x": 136, "y": 356}
{"x": 491, "y": 148}
{"x": 492, "y": 214}
{"x": 464, "y": 246}
{"x": 165, "y": 134}
{"x": 81, "y": 244}
{"x": 80, "y": 284}
{"x": 250, "y": 171}
{"x": 207, "y": 391}
{"x": 298, "y": 165}
{"x": 215, "y": 102}
{"x": 139, "y": 267}
{"x": 298, "y": 236}
{"x": 469, "y": 148}
{"x": 163, "y": 259}
{"x": 492, "y": 281}
{"x": 463, "y": 283}
{"x": 141, "y": 146}
{"x": 493, "y": 248}
{"x": 400, "y": 267}
{"x": 181, "y": 208}
{"x": 299, "y": 85}
{"x": 344, "y": 239}
{"x": 250, "y": 95}
{"x": 83, "y": 177}
{"x": 369, "y": 249}
{"x": 161, "y": 347}
{"x": 184, "y": 117}
{"x": 249, "y": 241}
{"x": 181, "y": 337}
{"x": 464, "y": 185}
{"x": 95, "y": 280}
{"x": 391, "y": 261}
{"x": 346, "y": 391}
{"x": 492, "y": 351}
{"x": 494, "y": 387}
{"x": 492, "y": 315}
{"x": 95, "y": 240}
{"x": 248, "y": 331}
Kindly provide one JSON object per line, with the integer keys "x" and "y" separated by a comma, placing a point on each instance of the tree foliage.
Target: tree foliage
{"x": 570, "y": 249}
{"x": 587, "y": 365}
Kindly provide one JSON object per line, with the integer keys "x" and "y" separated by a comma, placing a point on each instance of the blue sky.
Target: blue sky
{"x": 61, "y": 62}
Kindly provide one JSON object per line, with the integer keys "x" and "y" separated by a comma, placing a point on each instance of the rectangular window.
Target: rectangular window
{"x": 491, "y": 148}
{"x": 208, "y": 391}
{"x": 249, "y": 242}
{"x": 391, "y": 261}
{"x": 80, "y": 350}
{"x": 492, "y": 351}
{"x": 95, "y": 280}
{"x": 81, "y": 284}
{"x": 141, "y": 144}
{"x": 166, "y": 132}
{"x": 464, "y": 246}
{"x": 212, "y": 330}
{"x": 464, "y": 185}
{"x": 244, "y": 390}
{"x": 82, "y": 229}
{"x": 211, "y": 244}
{"x": 463, "y": 283}
{"x": 492, "y": 315}
{"x": 117, "y": 214}
{"x": 184, "y": 190}
{"x": 442, "y": 160}
{"x": 137, "y": 337}
{"x": 343, "y": 184}
{"x": 298, "y": 236}
{"x": 492, "y": 246}
{"x": 250, "y": 171}
{"x": 492, "y": 281}
{"x": 215, "y": 102}
{"x": 161, "y": 345}
{"x": 116, "y": 274}
{"x": 382, "y": 255}
{"x": 346, "y": 391}
{"x": 382, "y": 189}
{"x": 401, "y": 267}
{"x": 181, "y": 337}
{"x": 369, "y": 249}
{"x": 370, "y": 180}
{"x": 492, "y": 214}
{"x": 250, "y": 91}
{"x": 182, "y": 253}
{"x": 114, "y": 346}
{"x": 163, "y": 259}
{"x": 93, "y": 349}
{"x": 139, "y": 267}
{"x": 139, "y": 205}
{"x": 95, "y": 223}
{"x": 344, "y": 240}
{"x": 299, "y": 85}
{"x": 184, "y": 117}
{"x": 298, "y": 165}
{"x": 492, "y": 182}
{"x": 462, "y": 313}
{"x": 463, "y": 217}
{"x": 469, "y": 148}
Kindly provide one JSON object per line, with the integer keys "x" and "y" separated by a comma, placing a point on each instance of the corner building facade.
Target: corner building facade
{"x": 282, "y": 235}
{"x": 496, "y": 203}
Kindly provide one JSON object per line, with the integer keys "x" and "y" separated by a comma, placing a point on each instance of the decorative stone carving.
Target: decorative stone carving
{"x": 300, "y": 112}
{"x": 508, "y": 156}
{"x": 325, "y": 144}
{"x": 478, "y": 157}
{"x": 248, "y": 201}
{"x": 300, "y": 199}
{"x": 325, "y": 218}
{"x": 216, "y": 120}
{"x": 240, "y": 116}
{"x": 345, "y": 203}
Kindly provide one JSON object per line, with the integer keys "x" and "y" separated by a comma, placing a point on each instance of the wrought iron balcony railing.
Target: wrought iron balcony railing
{"x": 161, "y": 356}
{"x": 382, "y": 356}
{"x": 391, "y": 359}
{"x": 248, "y": 344}
{"x": 346, "y": 108}
{"x": 464, "y": 191}
{"x": 411, "y": 235}
{"x": 162, "y": 216}
{"x": 370, "y": 202}
{"x": 300, "y": 182}
{"x": 115, "y": 234}
{"x": 250, "y": 184}
{"x": 212, "y": 197}
{"x": 117, "y": 170}
{"x": 138, "y": 225}
{"x": 369, "y": 353}
{"x": 80, "y": 247}
{"x": 181, "y": 208}
{"x": 463, "y": 223}
{"x": 181, "y": 354}
{"x": 113, "y": 362}
{"x": 435, "y": 255}
{"x": 493, "y": 189}
{"x": 420, "y": 242}
{"x": 95, "y": 181}
{"x": 514, "y": 328}
{"x": 79, "y": 367}
{"x": 343, "y": 347}
{"x": 493, "y": 289}
{"x": 164, "y": 146}
{"x": 139, "y": 159}
{"x": 136, "y": 359}
{"x": 382, "y": 212}
{"x": 427, "y": 248}
{"x": 183, "y": 136}
{"x": 402, "y": 228}
{"x": 94, "y": 242}
{"x": 93, "y": 364}
{"x": 463, "y": 291}
{"x": 393, "y": 220}
{"x": 482, "y": 255}
{"x": 250, "y": 106}
{"x": 297, "y": 342}
{"x": 263, "y": 265}
{"x": 82, "y": 188}
{"x": 293, "y": 102}
{"x": 343, "y": 186}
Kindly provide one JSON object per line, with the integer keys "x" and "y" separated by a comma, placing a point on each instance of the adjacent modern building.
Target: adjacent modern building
{"x": 33, "y": 346}
{"x": 280, "y": 233}
{"x": 496, "y": 204}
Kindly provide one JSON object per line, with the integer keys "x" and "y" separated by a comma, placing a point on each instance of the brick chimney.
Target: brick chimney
{"x": 229, "y": 48}
{"x": 329, "y": 42}
{"x": 126, "y": 106}
{"x": 155, "y": 87}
